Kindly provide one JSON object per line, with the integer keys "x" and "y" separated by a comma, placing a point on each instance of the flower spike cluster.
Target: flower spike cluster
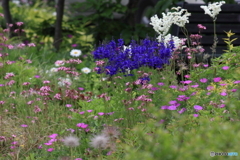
{"x": 178, "y": 17}
{"x": 213, "y": 9}
{"x": 149, "y": 53}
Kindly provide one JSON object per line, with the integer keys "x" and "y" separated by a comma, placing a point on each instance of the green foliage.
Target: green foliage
{"x": 102, "y": 24}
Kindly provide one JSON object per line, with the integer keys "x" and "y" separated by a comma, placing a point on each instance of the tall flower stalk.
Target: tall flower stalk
{"x": 213, "y": 10}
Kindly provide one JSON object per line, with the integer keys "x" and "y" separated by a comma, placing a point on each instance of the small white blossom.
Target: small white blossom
{"x": 75, "y": 52}
{"x": 71, "y": 141}
{"x": 99, "y": 141}
{"x": 86, "y": 70}
{"x": 178, "y": 17}
{"x": 162, "y": 25}
{"x": 177, "y": 41}
{"x": 64, "y": 81}
{"x": 213, "y": 9}
{"x": 129, "y": 50}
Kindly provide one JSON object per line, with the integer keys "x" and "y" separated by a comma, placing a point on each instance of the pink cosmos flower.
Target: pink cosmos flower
{"x": 68, "y": 105}
{"x": 203, "y": 80}
{"x": 48, "y": 144}
{"x": 197, "y": 107}
{"x": 160, "y": 84}
{"x": 81, "y": 89}
{"x": 50, "y": 149}
{"x": 223, "y": 94}
{"x": 182, "y": 110}
{"x": 236, "y": 82}
{"x": 210, "y": 88}
{"x": 100, "y": 113}
{"x": 186, "y": 82}
{"x": 205, "y": 65}
{"x": 24, "y": 125}
{"x": 89, "y": 111}
{"x": 53, "y": 136}
{"x": 82, "y": 125}
{"x": 225, "y": 67}
{"x": 195, "y": 115}
{"x": 187, "y": 76}
{"x": 172, "y": 107}
{"x": 81, "y": 112}
{"x": 217, "y": 79}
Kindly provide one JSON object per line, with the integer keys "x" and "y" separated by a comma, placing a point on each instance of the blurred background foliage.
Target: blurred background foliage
{"x": 81, "y": 30}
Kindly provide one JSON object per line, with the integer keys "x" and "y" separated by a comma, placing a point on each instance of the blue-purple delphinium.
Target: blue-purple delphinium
{"x": 120, "y": 59}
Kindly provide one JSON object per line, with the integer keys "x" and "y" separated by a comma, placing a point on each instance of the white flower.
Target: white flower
{"x": 64, "y": 81}
{"x": 213, "y": 9}
{"x": 75, "y": 52}
{"x": 86, "y": 70}
{"x": 59, "y": 63}
{"x": 71, "y": 141}
{"x": 177, "y": 41}
{"x": 178, "y": 17}
{"x": 162, "y": 25}
{"x": 99, "y": 141}
{"x": 129, "y": 49}
{"x": 53, "y": 69}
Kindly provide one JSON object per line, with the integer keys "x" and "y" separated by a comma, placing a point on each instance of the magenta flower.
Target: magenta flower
{"x": 160, "y": 84}
{"x": 81, "y": 112}
{"x": 164, "y": 107}
{"x": 203, "y": 80}
{"x": 100, "y": 113}
{"x": 186, "y": 82}
{"x": 223, "y": 93}
{"x": 173, "y": 87}
{"x": 205, "y": 65}
{"x": 81, "y": 89}
{"x": 24, "y": 125}
{"x": 78, "y": 159}
{"x": 194, "y": 86}
{"x": 217, "y": 79}
{"x": 225, "y": 67}
{"x": 68, "y": 105}
{"x": 182, "y": 110}
{"x": 236, "y": 82}
{"x": 221, "y": 105}
{"x": 210, "y": 88}
{"x": 53, "y": 136}
{"x": 200, "y": 26}
{"x": 82, "y": 125}
{"x": 195, "y": 115}
{"x": 48, "y": 144}
{"x": 74, "y": 45}
{"x": 37, "y": 76}
{"x": 89, "y": 111}
{"x": 172, "y": 107}
{"x": 50, "y": 149}
{"x": 234, "y": 90}
{"x": 187, "y": 76}
{"x": 197, "y": 107}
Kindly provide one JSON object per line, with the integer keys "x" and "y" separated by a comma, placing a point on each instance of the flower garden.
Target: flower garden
{"x": 147, "y": 99}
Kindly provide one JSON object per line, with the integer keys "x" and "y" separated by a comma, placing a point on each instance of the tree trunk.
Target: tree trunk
{"x": 58, "y": 24}
{"x": 7, "y": 16}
